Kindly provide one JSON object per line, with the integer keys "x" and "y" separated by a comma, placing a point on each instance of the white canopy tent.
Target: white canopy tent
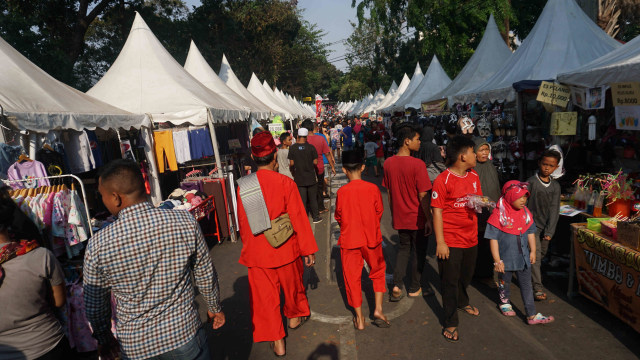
{"x": 435, "y": 79}
{"x": 197, "y": 66}
{"x": 563, "y": 39}
{"x": 404, "y": 83}
{"x": 229, "y": 77}
{"x": 620, "y": 65}
{"x": 35, "y": 101}
{"x": 363, "y": 104}
{"x": 392, "y": 91}
{"x": 282, "y": 100}
{"x": 416, "y": 79}
{"x": 377, "y": 99}
{"x": 257, "y": 90}
{"x": 490, "y": 55}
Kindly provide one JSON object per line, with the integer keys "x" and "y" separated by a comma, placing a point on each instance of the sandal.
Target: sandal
{"x": 540, "y": 319}
{"x": 272, "y": 346}
{"x": 355, "y": 324}
{"x": 471, "y": 310}
{"x": 415, "y": 293}
{"x": 303, "y": 319}
{"x": 507, "y": 310}
{"x": 453, "y": 333}
{"x": 393, "y": 298}
{"x": 381, "y": 323}
{"x": 539, "y": 296}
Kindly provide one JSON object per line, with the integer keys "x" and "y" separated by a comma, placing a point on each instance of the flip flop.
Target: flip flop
{"x": 381, "y": 323}
{"x": 452, "y": 333}
{"x": 302, "y": 321}
{"x": 355, "y": 324}
{"x": 272, "y": 346}
{"x": 393, "y": 298}
{"x": 470, "y": 310}
{"x": 417, "y": 293}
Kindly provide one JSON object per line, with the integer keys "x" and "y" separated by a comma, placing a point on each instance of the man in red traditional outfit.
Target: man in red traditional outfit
{"x": 273, "y": 271}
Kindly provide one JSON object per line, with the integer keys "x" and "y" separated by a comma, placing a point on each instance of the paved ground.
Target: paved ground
{"x": 582, "y": 330}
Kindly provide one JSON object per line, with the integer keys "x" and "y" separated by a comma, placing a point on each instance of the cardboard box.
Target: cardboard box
{"x": 629, "y": 234}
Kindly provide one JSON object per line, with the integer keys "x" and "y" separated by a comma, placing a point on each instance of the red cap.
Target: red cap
{"x": 262, "y": 144}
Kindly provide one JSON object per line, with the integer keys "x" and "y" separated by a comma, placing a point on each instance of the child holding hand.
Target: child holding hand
{"x": 508, "y": 226}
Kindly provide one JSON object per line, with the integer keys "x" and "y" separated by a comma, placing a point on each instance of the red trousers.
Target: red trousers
{"x": 265, "y": 286}
{"x": 352, "y": 263}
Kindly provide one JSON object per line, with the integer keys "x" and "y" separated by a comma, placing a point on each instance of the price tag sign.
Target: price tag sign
{"x": 276, "y": 127}
{"x": 625, "y": 94}
{"x": 234, "y": 144}
{"x": 554, "y": 94}
{"x": 564, "y": 123}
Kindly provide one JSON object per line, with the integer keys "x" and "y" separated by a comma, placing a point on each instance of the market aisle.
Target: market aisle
{"x": 582, "y": 329}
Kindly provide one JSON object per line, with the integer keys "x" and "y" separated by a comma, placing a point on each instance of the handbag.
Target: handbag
{"x": 281, "y": 231}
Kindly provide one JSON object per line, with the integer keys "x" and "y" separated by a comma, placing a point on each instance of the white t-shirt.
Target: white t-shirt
{"x": 370, "y": 149}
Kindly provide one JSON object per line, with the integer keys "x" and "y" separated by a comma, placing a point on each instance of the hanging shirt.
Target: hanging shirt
{"x": 27, "y": 170}
{"x": 78, "y": 147}
{"x": 358, "y": 211}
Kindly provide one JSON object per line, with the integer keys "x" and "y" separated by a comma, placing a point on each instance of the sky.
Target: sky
{"x": 332, "y": 16}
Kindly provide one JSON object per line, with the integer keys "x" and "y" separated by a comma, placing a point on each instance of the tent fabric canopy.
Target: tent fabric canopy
{"x": 401, "y": 89}
{"x": 35, "y": 101}
{"x": 197, "y": 66}
{"x": 620, "y": 65}
{"x": 490, "y": 55}
{"x": 377, "y": 99}
{"x": 434, "y": 80}
{"x": 563, "y": 39}
{"x": 257, "y": 90}
{"x": 145, "y": 78}
{"x": 393, "y": 89}
{"x": 416, "y": 79}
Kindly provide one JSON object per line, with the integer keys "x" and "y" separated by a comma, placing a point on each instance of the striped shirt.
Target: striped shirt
{"x": 146, "y": 259}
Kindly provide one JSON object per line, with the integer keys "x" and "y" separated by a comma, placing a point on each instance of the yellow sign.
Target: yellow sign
{"x": 554, "y": 94}
{"x": 564, "y": 123}
{"x": 625, "y": 94}
{"x": 308, "y": 98}
{"x": 434, "y": 106}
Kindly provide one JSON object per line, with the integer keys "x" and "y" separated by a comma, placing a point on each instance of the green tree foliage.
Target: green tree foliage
{"x": 268, "y": 37}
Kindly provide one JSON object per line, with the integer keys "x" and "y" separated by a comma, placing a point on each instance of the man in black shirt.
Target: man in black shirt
{"x": 302, "y": 159}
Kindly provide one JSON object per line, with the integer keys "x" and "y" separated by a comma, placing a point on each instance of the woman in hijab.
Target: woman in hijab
{"x": 31, "y": 286}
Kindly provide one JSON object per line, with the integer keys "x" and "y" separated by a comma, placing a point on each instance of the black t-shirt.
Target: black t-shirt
{"x": 304, "y": 171}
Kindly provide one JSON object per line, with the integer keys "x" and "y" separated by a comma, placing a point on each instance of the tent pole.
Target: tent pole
{"x": 154, "y": 177}
{"x": 214, "y": 142}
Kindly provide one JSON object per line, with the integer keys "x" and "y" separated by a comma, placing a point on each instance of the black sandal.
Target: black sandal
{"x": 273, "y": 346}
{"x": 453, "y": 333}
{"x": 303, "y": 319}
{"x": 381, "y": 323}
{"x": 393, "y": 298}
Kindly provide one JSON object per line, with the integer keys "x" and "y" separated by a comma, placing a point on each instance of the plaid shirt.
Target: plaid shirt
{"x": 146, "y": 259}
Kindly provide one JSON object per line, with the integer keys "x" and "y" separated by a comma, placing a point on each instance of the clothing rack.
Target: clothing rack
{"x": 73, "y": 177}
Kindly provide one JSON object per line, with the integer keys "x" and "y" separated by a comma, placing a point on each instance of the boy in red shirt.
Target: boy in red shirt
{"x": 407, "y": 183}
{"x": 456, "y": 228}
{"x": 360, "y": 238}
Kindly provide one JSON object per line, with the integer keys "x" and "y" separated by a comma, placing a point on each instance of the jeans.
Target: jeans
{"x": 455, "y": 274}
{"x": 526, "y": 291}
{"x": 412, "y": 244}
{"x": 320, "y": 190}
{"x": 310, "y": 199}
{"x": 541, "y": 251}
{"x": 196, "y": 349}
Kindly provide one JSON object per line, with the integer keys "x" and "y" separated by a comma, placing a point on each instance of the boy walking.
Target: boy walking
{"x": 302, "y": 163}
{"x": 456, "y": 228}
{"x": 360, "y": 238}
{"x": 544, "y": 204}
{"x": 283, "y": 155}
{"x": 407, "y": 183}
{"x": 370, "y": 148}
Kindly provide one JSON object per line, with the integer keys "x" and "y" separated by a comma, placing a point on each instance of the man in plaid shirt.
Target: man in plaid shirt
{"x": 146, "y": 258}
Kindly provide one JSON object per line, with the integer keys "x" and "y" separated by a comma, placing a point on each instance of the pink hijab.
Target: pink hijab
{"x": 505, "y": 217}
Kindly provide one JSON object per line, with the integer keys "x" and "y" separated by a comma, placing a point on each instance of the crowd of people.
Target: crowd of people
{"x": 429, "y": 189}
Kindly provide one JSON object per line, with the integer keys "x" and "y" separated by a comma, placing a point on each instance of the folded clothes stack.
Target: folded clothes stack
{"x": 181, "y": 199}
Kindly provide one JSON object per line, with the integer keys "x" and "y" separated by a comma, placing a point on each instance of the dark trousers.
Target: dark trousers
{"x": 411, "y": 245}
{"x": 455, "y": 274}
{"x": 60, "y": 352}
{"x": 484, "y": 264}
{"x": 310, "y": 198}
{"x": 319, "y": 196}
{"x": 526, "y": 289}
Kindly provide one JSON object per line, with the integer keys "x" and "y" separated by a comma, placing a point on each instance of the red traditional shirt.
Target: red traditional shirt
{"x": 359, "y": 209}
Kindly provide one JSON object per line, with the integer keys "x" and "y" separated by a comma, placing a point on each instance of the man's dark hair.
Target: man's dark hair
{"x": 125, "y": 175}
{"x": 405, "y": 131}
{"x": 352, "y": 160}
{"x": 283, "y": 136}
{"x": 457, "y": 146}
{"x": 308, "y": 124}
{"x": 552, "y": 154}
{"x": 265, "y": 160}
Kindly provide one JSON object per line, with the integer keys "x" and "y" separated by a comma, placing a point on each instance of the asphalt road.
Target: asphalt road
{"x": 582, "y": 330}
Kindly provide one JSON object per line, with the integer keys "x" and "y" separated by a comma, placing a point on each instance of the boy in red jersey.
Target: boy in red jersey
{"x": 360, "y": 238}
{"x": 456, "y": 229}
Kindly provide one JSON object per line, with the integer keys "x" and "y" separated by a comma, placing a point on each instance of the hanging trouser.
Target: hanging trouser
{"x": 164, "y": 147}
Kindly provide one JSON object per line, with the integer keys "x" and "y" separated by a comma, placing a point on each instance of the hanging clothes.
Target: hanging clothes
{"x": 181, "y": 146}
{"x": 52, "y": 160}
{"x": 27, "y": 170}
{"x": 163, "y": 141}
{"x": 200, "y": 143}
{"x": 76, "y": 144}
{"x": 95, "y": 148}
{"x": 8, "y": 155}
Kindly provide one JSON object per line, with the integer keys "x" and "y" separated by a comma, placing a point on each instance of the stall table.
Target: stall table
{"x": 608, "y": 273}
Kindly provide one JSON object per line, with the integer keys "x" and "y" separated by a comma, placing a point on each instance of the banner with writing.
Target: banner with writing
{"x": 554, "y": 94}
{"x": 625, "y": 94}
{"x": 564, "y": 123}
{"x": 434, "y": 107}
{"x": 628, "y": 117}
{"x": 608, "y": 274}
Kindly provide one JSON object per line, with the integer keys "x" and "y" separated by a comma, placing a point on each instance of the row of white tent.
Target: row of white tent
{"x": 145, "y": 84}
{"x": 564, "y": 45}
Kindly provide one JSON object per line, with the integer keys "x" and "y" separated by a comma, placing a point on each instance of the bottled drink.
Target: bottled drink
{"x": 592, "y": 202}
{"x": 597, "y": 207}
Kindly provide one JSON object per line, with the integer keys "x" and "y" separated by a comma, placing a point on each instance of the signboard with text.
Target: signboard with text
{"x": 554, "y": 94}
{"x": 433, "y": 107}
{"x": 564, "y": 123}
{"x": 625, "y": 94}
{"x": 608, "y": 274}
{"x": 628, "y": 117}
